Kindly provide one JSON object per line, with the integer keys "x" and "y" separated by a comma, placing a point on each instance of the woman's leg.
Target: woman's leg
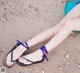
{"x": 69, "y": 26}
{"x": 47, "y": 34}
{"x": 55, "y": 41}
{"x": 74, "y": 13}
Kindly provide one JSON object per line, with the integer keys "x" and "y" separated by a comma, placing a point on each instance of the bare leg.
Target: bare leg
{"x": 63, "y": 33}
{"x": 55, "y": 41}
{"x": 60, "y": 36}
{"x": 74, "y": 13}
{"x": 47, "y": 34}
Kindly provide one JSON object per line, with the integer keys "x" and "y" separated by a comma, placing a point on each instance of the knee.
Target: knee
{"x": 69, "y": 24}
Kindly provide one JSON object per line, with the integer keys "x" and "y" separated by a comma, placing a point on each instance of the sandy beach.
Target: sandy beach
{"x": 22, "y": 20}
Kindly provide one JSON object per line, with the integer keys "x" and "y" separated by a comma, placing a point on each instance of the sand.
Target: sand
{"x": 22, "y": 20}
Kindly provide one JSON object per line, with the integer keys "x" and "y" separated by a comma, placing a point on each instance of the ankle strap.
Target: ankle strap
{"x": 43, "y": 49}
{"x": 24, "y": 44}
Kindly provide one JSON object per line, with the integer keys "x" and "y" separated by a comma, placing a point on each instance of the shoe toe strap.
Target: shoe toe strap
{"x": 23, "y": 44}
{"x": 12, "y": 57}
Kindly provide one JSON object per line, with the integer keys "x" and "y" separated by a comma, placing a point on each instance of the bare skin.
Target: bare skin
{"x": 55, "y": 41}
{"x": 57, "y": 34}
{"x": 74, "y": 13}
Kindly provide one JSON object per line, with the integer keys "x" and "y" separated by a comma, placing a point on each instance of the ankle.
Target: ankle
{"x": 38, "y": 52}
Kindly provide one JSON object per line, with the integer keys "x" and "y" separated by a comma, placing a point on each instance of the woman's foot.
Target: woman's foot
{"x": 32, "y": 58}
{"x": 36, "y": 56}
{"x": 14, "y": 54}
